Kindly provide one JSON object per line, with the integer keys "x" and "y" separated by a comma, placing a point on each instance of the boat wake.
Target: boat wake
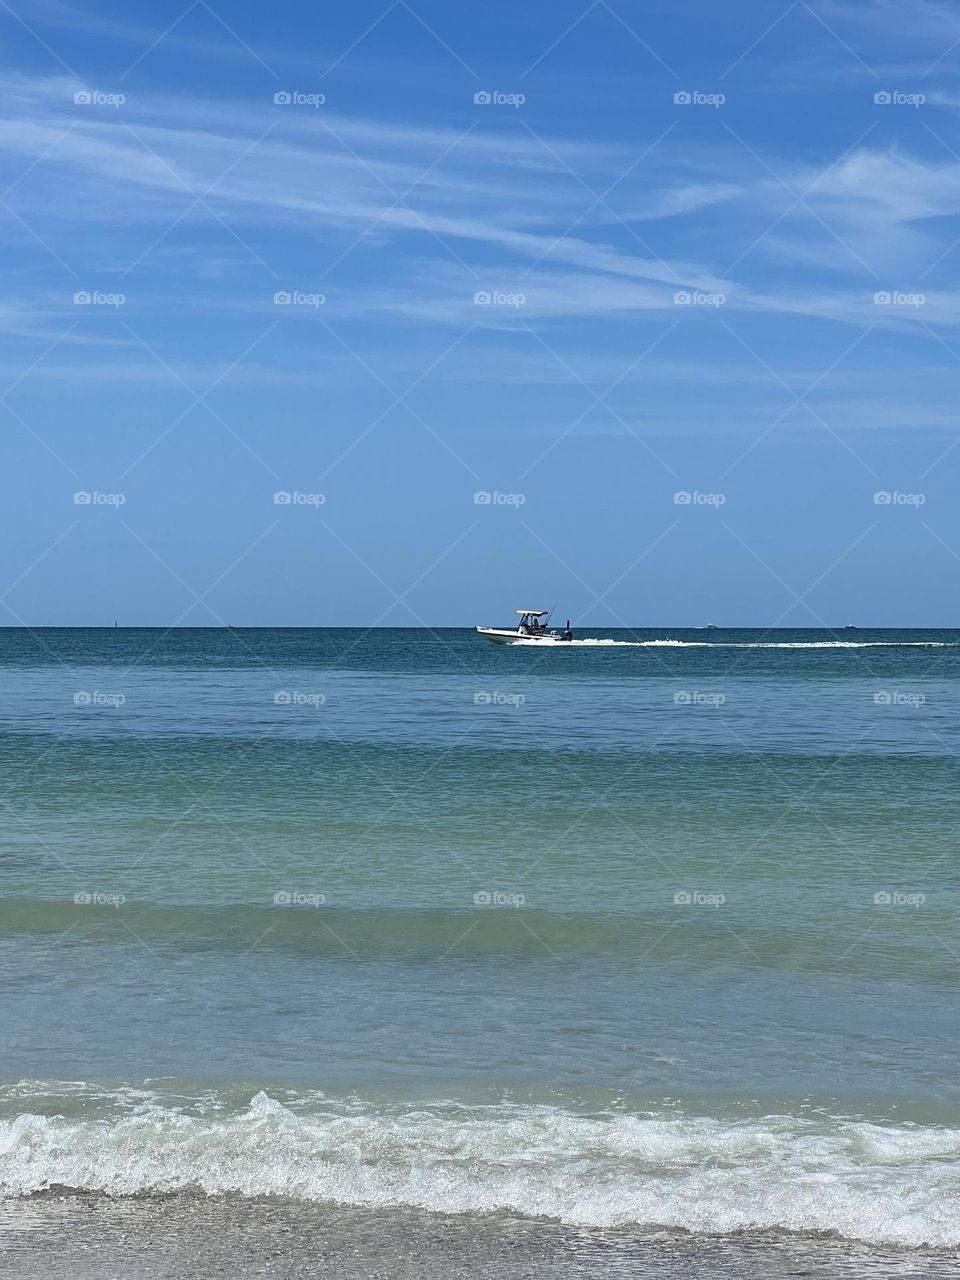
{"x": 586, "y": 642}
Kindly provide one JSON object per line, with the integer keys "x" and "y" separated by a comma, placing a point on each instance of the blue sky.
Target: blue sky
{"x": 722, "y": 248}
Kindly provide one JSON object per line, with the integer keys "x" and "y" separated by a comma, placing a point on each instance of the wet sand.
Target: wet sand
{"x": 93, "y": 1237}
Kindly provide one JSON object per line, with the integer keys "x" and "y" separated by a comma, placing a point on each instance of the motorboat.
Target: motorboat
{"x": 532, "y": 626}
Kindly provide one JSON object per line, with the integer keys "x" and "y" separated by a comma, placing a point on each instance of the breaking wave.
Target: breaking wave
{"x": 884, "y": 1184}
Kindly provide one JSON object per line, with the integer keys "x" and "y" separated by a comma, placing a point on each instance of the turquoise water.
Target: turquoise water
{"x": 658, "y": 932}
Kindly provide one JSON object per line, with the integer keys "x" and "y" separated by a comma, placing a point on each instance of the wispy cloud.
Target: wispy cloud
{"x": 510, "y": 213}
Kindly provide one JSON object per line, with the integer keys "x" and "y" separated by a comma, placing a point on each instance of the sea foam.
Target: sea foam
{"x": 884, "y": 1184}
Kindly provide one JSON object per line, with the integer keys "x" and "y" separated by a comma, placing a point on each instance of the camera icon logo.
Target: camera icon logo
{"x": 282, "y": 699}
{"x": 82, "y": 899}
{"x": 282, "y": 498}
{"x": 281, "y": 898}
{"x": 282, "y": 98}
{"x": 682, "y": 298}
{"x": 483, "y": 98}
{"x": 682, "y": 498}
{"x": 482, "y": 899}
{"x": 683, "y": 98}
{"x": 83, "y": 98}
{"x": 82, "y": 699}
{"x": 682, "y": 898}
{"x": 282, "y": 299}
{"x": 882, "y": 98}
{"x": 82, "y": 298}
{"x": 483, "y": 298}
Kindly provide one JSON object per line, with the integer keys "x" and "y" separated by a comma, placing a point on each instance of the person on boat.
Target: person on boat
{"x": 567, "y": 633}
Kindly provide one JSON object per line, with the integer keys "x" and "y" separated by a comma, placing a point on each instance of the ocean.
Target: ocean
{"x": 394, "y": 952}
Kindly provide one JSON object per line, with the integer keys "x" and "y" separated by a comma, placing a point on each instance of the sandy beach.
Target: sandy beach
{"x": 63, "y": 1237}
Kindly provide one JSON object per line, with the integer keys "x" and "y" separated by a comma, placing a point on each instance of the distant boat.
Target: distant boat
{"x": 850, "y": 627}
{"x": 711, "y": 626}
{"x": 528, "y": 628}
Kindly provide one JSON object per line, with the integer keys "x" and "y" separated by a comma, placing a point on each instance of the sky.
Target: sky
{"x": 414, "y": 313}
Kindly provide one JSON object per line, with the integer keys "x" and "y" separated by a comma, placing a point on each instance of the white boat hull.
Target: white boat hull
{"x": 501, "y": 636}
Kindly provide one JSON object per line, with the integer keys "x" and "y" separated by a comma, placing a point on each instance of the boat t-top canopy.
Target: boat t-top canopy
{"x": 533, "y": 613}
